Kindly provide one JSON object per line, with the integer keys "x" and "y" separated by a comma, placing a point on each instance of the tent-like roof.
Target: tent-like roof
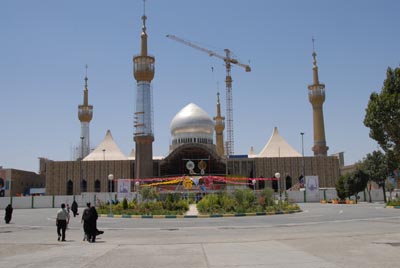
{"x": 107, "y": 150}
{"x": 132, "y": 155}
{"x": 278, "y": 147}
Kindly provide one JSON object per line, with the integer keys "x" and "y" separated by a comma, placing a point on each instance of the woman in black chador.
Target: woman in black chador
{"x": 8, "y": 215}
{"x": 74, "y": 208}
{"x": 93, "y": 224}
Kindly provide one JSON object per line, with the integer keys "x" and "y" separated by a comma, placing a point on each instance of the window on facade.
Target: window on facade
{"x": 84, "y": 186}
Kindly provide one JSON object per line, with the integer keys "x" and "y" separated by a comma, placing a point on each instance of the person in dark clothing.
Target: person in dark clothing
{"x": 74, "y": 208}
{"x": 86, "y": 218}
{"x": 8, "y": 215}
{"x": 93, "y": 224}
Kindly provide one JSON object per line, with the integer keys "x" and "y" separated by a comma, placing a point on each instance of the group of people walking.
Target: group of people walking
{"x": 89, "y": 220}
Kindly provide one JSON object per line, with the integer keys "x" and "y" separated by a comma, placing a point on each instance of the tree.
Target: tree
{"x": 383, "y": 115}
{"x": 376, "y": 167}
{"x": 340, "y": 187}
{"x": 357, "y": 182}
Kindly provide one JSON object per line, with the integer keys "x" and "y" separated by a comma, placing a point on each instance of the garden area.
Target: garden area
{"x": 238, "y": 201}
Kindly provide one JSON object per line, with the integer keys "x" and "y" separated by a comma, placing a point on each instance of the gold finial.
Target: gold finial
{"x": 144, "y": 34}
{"x": 315, "y": 67}
{"x": 144, "y": 16}
{"x": 85, "y": 92}
{"x": 218, "y": 108}
{"x": 86, "y": 79}
{"x": 314, "y": 54}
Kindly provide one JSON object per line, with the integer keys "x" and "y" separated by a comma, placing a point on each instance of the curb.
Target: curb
{"x": 396, "y": 207}
{"x": 200, "y": 216}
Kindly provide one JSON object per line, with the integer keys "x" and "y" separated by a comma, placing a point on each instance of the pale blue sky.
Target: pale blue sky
{"x": 45, "y": 45}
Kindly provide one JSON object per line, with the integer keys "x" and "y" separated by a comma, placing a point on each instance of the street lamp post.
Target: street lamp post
{"x": 278, "y": 176}
{"x": 110, "y": 180}
{"x": 302, "y": 153}
{"x": 137, "y": 191}
{"x": 253, "y": 181}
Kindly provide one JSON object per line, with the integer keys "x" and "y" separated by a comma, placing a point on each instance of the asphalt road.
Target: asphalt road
{"x": 323, "y": 235}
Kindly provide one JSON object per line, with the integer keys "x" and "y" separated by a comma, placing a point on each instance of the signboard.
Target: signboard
{"x": 124, "y": 189}
{"x": 312, "y": 189}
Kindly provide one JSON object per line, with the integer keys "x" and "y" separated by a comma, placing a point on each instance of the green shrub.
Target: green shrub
{"x": 209, "y": 204}
{"x": 226, "y": 202}
{"x": 266, "y": 198}
{"x": 125, "y": 204}
{"x": 395, "y": 202}
{"x": 148, "y": 193}
{"x": 244, "y": 199}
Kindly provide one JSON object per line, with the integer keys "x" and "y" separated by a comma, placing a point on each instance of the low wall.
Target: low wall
{"x": 55, "y": 201}
{"x": 330, "y": 193}
{"x": 95, "y": 198}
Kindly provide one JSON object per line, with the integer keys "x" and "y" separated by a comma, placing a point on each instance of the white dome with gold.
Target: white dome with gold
{"x": 192, "y": 125}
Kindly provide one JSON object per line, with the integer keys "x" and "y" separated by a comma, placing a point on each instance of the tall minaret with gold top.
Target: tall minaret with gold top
{"x": 316, "y": 95}
{"x": 143, "y": 71}
{"x": 219, "y": 129}
{"x": 85, "y": 114}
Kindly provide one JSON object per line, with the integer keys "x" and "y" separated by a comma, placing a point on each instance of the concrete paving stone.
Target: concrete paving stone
{"x": 259, "y": 254}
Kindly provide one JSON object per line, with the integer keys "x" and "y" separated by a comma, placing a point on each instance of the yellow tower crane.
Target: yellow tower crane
{"x": 228, "y": 80}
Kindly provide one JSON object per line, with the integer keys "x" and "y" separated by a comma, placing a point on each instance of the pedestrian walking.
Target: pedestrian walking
{"x": 8, "y": 215}
{"x": 74, "y": 208}
{"x": 69, "y": 213}
{"x": 61, "y": 222}
{"x": 93, "y": 224}
{"x": 86, "y": 218}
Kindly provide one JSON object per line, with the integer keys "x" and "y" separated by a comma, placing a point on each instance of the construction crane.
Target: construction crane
{"x": 228, "y": 80}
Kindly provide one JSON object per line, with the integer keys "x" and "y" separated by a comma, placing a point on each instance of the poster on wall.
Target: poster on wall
{"x": 124, "y": 189}
{"x": 312, "y": 189}
{"x": 2, "y": 188}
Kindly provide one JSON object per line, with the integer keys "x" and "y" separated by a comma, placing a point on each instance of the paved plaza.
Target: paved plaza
{"x": 323, "y": 235}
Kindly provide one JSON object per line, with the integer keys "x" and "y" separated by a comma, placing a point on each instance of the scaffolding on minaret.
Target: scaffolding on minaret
{"x": 85, "y": 115}
{"x": 143, "y": 71}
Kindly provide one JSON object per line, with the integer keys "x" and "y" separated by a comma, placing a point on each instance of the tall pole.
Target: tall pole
{"x": 82, "y": 137}
{"x": 278, "y": 176}
{"x": 110, "y": 179}
{"x": 302, "y": 153}
{"x": 9, "y": 185}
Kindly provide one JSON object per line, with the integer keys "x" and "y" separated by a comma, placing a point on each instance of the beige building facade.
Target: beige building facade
{"x": 19, "y": 182}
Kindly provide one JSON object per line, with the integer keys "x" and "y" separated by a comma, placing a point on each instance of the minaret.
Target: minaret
{"x": 316, "y": 95}
{"x": 143, "y": 71}
{"x": 85, "y": 114}
{"x": 219, "y": 129}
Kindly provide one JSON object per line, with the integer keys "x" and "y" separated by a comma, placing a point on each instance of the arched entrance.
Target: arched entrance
{"x": 205, "y": 161}
{"x": 84, "y": 186}
{"x": 288, "y": 182}
{"x": 70, "y": 187}
{"x": 97, "y": 187}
